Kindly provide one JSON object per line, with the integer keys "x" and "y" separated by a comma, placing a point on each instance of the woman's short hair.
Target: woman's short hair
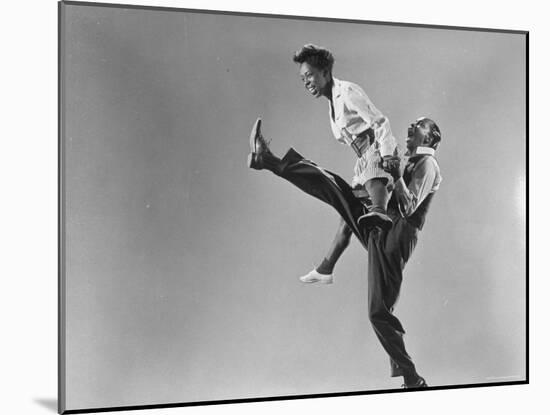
{"x": 316, "y": 56}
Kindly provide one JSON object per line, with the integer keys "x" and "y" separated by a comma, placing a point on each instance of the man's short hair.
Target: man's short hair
{"x": 435, "y": 132}
{"x": 316, "y": 56}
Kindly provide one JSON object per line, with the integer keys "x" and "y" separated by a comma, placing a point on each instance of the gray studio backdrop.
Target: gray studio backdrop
{"x": 181, "y": 264}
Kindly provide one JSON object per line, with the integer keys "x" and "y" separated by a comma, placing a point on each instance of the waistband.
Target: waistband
{"x": 362, "y": 141}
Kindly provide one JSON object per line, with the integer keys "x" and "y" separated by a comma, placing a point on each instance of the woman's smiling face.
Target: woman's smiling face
{"x": 315, "y": 80}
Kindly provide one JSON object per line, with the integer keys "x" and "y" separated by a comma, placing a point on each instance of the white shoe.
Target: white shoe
{"x": 314, "y": 276}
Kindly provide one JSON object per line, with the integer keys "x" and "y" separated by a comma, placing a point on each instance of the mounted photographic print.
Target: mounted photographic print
{"x": 257, "y": 207}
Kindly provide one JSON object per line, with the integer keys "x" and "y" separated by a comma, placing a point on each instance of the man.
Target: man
{"x": 357, "y": 123}
{"x": 388, "y": 249}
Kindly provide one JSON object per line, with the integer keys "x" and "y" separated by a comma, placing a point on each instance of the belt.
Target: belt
{"x": 362, "y": 141}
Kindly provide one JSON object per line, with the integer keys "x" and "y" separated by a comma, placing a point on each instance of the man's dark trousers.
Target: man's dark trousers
{"x": 388, "y": 251}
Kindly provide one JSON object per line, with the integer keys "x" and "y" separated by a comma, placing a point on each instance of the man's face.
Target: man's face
{"x": 418, "y": 135}
{"x": 315, "y": 80}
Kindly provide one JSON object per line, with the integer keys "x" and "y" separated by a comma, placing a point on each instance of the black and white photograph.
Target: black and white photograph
{"x": 265, "y": 209}
{"x": 260, "y": 206}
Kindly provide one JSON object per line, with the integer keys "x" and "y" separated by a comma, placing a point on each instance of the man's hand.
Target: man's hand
{"x": 392, "y": 165}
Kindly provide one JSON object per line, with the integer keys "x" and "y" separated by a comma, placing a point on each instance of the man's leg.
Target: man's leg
{"x": 388, "y": 253}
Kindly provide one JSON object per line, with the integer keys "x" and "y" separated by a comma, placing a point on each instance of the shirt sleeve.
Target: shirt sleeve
{"x": 360, "y": 103}
{"x": 423, "y": 182}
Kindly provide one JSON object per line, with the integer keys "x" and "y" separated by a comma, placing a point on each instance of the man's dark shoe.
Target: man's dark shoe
{"x": 375, "y": 218}
{"x": 420, "y": 383}
{"x": 258, "y": 146}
